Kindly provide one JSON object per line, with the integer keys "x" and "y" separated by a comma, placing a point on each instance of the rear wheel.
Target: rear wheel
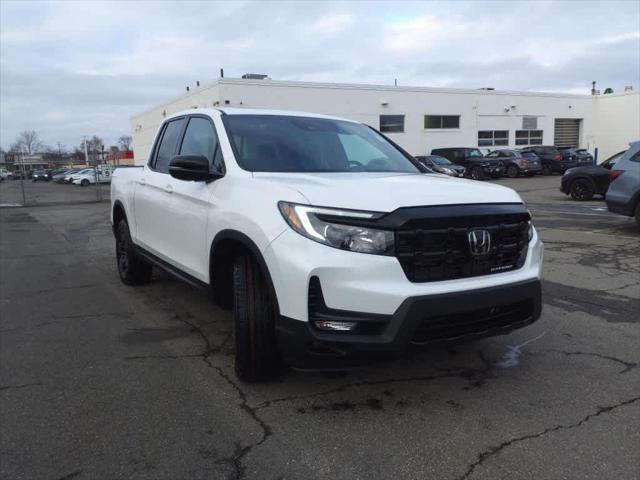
{"x": 254, "y": 312}
{"x": 132, "y": 269}
{"x": 582, "y": 190}
{"x": 476, "y": 173}
{"x": 546, "y": 169}
{"x": 84, "y": 183}
{"x": 512, "y": 171}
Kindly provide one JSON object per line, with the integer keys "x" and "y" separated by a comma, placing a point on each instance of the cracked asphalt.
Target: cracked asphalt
{"x": 103, "y": 381}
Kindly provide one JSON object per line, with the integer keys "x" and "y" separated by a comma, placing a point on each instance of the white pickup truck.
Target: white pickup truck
{"x": 331, "y": 244}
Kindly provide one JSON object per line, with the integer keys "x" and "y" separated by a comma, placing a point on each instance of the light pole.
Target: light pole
{"x": 22, "y": 174}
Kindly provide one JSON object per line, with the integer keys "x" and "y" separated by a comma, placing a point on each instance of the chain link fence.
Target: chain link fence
{"x": 31, "y": 187}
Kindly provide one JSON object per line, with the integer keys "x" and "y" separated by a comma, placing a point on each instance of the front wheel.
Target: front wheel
{"x": 254, "y": 312}
{"x": 546, "y": 169}
{"x": 132, "y": 269}
{"x": 582, "y": 190}
{"x": 84, "y": 183}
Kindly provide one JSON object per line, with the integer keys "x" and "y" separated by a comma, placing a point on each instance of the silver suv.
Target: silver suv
{"x": 623, "y": 196}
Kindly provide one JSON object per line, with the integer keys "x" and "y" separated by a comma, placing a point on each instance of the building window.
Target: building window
{"x": 528, "y": 137}
{"x": 441, "y": 121}
{"x": 489, "y": 138}
{"x": 392, "y": 123}
{"x": 529, "y": 123}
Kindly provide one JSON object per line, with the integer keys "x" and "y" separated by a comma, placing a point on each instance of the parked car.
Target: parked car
{"x": 40, "y": 176}
{"x": 90, "y": 176}
{"x": 59, "y": 176}
{"x": 582, "y": 183}
{"x": 623, "y": 196}
{"x": 330, "y": 255}
{"x": 68, "y": 178}
{"x": 441, "y": 165}
{"x": 18, "y": 174}
{"x": 4, "y": 174}
{"x": 517, "y": 162}
{"x": 551, "y": 159}
{"x": 580, "y": 155}
{"x": 475, "y": 164}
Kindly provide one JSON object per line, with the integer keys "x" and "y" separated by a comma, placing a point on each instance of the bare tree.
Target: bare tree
{"x": 125, "y": 142}
{"x": 27, "y": 142}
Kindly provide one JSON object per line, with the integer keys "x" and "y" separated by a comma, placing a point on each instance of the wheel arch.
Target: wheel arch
{"x": 224, "y": 247}
{"x": 118, "y": 213}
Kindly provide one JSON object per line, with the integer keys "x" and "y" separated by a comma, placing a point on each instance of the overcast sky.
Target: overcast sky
{"x": 81, "y": 68}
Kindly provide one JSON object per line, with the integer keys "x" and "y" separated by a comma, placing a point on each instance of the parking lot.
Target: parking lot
{"x": 100, "y": 380}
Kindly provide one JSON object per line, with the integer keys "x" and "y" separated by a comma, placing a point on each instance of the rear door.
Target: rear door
{"x": 152, "y": 200}
{"x": 191, "y": 201}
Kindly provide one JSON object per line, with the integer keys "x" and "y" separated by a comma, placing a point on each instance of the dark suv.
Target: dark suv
{"x": 517, "y": 162}
{"x": 580, "y": 155}
{"x": 475, "y": 164}
{"x": 552, "y": 160}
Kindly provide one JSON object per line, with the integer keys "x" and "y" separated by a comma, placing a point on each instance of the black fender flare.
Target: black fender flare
{"x": 250, "y": 245}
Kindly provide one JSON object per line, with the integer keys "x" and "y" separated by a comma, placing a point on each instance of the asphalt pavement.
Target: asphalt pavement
{"x": 103, "y": 381}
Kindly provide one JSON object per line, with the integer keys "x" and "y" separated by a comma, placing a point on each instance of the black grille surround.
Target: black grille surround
{"x": 431, "y": 243}
{"x": 432, "y": 249}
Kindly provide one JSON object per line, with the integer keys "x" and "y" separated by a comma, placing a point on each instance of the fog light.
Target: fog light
{"x": 335, "y": 326}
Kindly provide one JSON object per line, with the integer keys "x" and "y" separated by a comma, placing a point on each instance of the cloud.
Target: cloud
{"x": 69, "y": 69}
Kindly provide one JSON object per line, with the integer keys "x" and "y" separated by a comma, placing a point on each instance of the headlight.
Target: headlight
{"x": 331, "y": 227}
{"x": 446, "y": 170}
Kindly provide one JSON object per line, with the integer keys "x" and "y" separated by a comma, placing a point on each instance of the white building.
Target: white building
{"x": 420, "y": 118}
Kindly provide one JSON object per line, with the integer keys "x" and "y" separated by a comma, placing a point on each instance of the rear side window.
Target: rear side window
{"x": 167, "y": 147}
{"x": 200, "y": 139}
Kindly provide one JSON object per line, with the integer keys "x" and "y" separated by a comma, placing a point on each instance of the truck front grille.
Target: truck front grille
{"x": 433, "y": 249}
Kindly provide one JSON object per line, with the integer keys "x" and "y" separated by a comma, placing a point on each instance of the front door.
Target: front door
{"x": 153, "y": 194}
{"x": 192, "y": 202}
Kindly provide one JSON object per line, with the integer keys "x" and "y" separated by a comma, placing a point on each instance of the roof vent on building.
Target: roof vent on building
{"x": 486, "y": 88}
{"x": 255, "y": 76}
{"x": 628, "y": 88}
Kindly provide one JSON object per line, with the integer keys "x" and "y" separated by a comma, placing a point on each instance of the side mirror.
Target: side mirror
{"x": 192, "y": 167}
{"x": 606, "y": 165}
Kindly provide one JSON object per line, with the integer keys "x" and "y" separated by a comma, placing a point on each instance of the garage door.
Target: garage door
{"x": 567, "y": 132}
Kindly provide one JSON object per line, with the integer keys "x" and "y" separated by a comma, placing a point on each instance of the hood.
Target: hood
{"x": 385, "y": 192}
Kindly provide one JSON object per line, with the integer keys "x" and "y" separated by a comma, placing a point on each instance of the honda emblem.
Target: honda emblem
{"x": 479, "y": 242}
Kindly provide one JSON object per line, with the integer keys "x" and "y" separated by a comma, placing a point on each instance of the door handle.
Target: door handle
{"x": 168, "y": 189}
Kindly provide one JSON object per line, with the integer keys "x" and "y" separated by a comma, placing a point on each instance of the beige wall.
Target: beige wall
{"x": 618, "y": 122}
{"x": 608, "y": 122}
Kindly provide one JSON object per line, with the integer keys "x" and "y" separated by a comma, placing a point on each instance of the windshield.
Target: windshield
{"x": 474, "y": 152}
{"x": 277, "y": 143}
{"x": 440, "y": 160}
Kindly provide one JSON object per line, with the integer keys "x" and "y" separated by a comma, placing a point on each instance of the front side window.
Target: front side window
{"x": 167, "y": 147}
{"x": 441, "y": 121}
{"x": 277, "y": 143}
{"x": 488, "y": 138}
{"x": 392, "y": 123}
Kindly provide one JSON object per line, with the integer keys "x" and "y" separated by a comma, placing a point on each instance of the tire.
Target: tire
{"x": 546, "y": 169}
{"x": 476, "y": 173}
{"x": 637, "y": 214}
{"x": 582, "y": 189}
{"x": 84, "y": 183}
{"x": 512, "y": 171}
{"x": 254, "y": 313}
{"x": 131, "y": 268}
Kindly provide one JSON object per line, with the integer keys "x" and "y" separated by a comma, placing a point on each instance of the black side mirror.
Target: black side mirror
{"x": 192, "y": 167}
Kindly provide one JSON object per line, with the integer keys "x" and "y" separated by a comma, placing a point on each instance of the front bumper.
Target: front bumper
{"x": 418, "y": 322}
{"x": 375, "y": 285}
